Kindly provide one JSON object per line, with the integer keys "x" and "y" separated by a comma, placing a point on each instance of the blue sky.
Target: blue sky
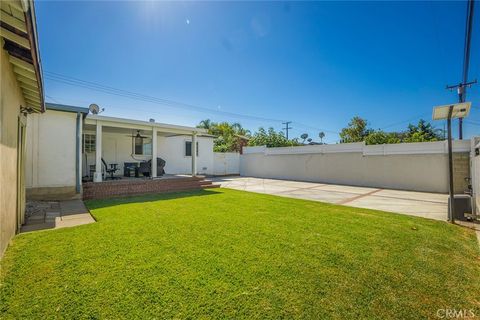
{"x": 317, "y": 64}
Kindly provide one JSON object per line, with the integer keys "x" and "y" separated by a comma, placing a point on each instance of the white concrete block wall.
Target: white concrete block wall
{"x": 416, "y": 166}
{"x": 225, "y": 163}
{"x": 50, "y": 158}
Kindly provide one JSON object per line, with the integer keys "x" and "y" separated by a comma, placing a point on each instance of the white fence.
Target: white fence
{"x": 409, "y": 166}
{"x": 226, "y": 163}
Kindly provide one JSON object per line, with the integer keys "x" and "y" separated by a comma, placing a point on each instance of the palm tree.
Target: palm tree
{"x": 236, "y": 126}
{"x": 205, "y": 124}
{"x": 304, "y": 136}
{"x": 321, "y": 135}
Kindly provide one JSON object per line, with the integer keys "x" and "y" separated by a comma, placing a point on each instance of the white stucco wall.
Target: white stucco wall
{"x": 418, "y": 167}
{"x": 11, "y": 99}
{"x": 117, "y": 148}
{"x": 225, "y": 163}
{"x": 475, "y": 172}
{"x": 172, "y": 150}
{"x": 476, "y": 181}
{"x": 51, "y": 145}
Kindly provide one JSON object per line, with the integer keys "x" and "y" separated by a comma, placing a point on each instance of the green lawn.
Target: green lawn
{"x": 232, "y": 254}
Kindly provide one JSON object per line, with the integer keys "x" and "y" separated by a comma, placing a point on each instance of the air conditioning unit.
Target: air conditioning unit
{"x": 463, "y": 207}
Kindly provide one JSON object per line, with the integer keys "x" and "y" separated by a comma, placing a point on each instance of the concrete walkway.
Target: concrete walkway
{"x": 57, "y": 214}
{"x": 421, "y": 204}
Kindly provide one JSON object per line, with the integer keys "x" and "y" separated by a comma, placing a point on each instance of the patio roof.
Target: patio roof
{"x": 110, "y": 123}
{"x": 141, "y": 125}
{"x": 66, "y": 108}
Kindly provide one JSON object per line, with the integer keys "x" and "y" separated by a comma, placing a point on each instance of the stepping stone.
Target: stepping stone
{"x": 52, "y": 214}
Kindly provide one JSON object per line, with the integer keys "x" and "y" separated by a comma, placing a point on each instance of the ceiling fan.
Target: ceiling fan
{"x": 137, "y": 136}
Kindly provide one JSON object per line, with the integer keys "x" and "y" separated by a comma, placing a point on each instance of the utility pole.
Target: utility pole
{"x": 287, "y": 127}
{"x": 462, "y": 86}
{"x": 462, "y": 93}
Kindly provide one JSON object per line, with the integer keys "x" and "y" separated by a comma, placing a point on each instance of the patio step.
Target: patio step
{"x": 125, "y": 187}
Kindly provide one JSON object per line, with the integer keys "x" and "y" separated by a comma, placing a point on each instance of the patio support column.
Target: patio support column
{"x": 194, "y": 154}
{"x": 154, "y": 152}
{"x": 97, "y": 177}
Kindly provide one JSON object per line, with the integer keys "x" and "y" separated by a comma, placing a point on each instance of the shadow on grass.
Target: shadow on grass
{"x": 103, "y": 203}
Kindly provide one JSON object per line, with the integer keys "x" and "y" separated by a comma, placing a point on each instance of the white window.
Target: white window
{"x": 88, "y": 142}
{"x": 188, "y": 148}
{"x": 143, "y": 146}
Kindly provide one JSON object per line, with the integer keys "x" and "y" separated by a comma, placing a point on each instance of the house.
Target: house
{"x": 21, "y": 96}
{"x": 69, "y": 148}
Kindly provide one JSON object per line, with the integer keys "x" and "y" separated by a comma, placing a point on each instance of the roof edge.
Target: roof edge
{"x": 96, "y": 117}
{"x": 30, "y": 19}
{"x": 66, "y": 108}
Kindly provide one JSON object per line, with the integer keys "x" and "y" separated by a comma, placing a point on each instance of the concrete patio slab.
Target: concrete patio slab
{"x": 431, "y": 210}
{"x": 349, "y": 189}
{"x": 295, "y": 184}
{"x": 55, "y": 215}
{"x": 421, "y": 204}
{"x": 325, "y": 196}
{"x": 412, "y": 195}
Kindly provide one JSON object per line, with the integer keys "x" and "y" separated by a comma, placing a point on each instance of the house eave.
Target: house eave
{"x": 142, "y": 125}
{"x": 18, "y": 31}
{"x": 66, "y": 108}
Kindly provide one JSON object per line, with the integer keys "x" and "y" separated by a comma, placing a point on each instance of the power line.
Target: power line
{"x": 473, "y": 122}
{"x": 462, "y": 86}
{"x": 52, "y": 98}
{"x": 174, "y": 104}
{"x": 170, "y": 103}
{"x": 137, "y": 96}
{"x": 405, "y": 121}
{"x": 314, "y": 128}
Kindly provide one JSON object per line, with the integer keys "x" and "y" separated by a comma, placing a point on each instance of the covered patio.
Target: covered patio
{"x": 122, "y": 157}
{"x": 120, "y": 149}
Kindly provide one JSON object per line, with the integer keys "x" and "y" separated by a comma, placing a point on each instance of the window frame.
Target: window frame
{"x": 186, "y": 142}
{"x": 89, "y": 143}
{"x": 145, "y": 142}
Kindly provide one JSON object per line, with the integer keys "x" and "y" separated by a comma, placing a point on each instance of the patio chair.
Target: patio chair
{"x": 160, "y": 166}
{"x": 129, "y": 168}
{"x": 111, "y": 171}
{"x": 146, "y": 167}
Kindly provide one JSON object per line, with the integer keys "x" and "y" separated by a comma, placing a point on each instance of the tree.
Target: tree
{"x": 381, "y": 137}
{"x": 228, "y": 135}
{"x": 321, "y": 135}
{"x": 205, "y": 124}
{"x": 304, "y": 136}
{"x": 356, "y": 131}
{"x": 423, "y": 131}
{"x": 271, "y": 138}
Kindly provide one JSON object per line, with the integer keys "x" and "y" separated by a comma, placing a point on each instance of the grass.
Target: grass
{"x": 232, "y": 254}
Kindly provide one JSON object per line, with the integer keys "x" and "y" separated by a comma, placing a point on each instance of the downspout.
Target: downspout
{"x": 77, "y": 154}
